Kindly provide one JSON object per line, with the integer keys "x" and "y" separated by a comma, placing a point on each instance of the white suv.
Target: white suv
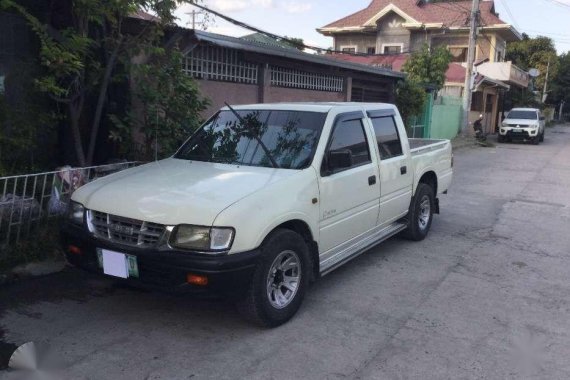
{"x": 523, "y": 124}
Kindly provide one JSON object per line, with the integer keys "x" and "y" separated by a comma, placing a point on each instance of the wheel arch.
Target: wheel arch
{"x": 302, "y": 228}
{"x": 429, "y": 178}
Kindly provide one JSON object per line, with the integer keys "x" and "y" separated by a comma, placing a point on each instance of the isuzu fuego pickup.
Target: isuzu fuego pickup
{"x": 260, "y": 201}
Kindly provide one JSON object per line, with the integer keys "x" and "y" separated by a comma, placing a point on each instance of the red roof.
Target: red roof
{"x": 449, "y": 13}
{"x": 455, "y": 72}
{"x": 393, "y": 62}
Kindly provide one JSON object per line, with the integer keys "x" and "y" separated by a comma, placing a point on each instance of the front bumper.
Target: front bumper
{"x": 165, "y": 271}
{"x": 519, "y": 133}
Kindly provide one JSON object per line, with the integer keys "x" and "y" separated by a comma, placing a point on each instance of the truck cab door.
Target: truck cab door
{"x": 349, "y": 186}
{"x": 396, "y": 171}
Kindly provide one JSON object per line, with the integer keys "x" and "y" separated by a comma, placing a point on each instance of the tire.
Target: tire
{"x": 542, "y": 137}
{"x": 419, "y": 222}
{"x": 501, "y": 139}
{"x": 536, "y": 140}
{"x": 284, "y": 254}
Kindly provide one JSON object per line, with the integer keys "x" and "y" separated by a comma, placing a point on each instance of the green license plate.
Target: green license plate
{"x": 130, "y": 262}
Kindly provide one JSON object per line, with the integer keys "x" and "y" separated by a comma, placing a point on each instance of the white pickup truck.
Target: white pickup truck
{"x": 260, "y": 201}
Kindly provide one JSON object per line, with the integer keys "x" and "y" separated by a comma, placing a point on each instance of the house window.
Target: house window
{"x": 477, "y": 102}
{"x": 295, "y": 78}
{"x": 458, "y": 54}
{"x": 348, "y": 49}
{"x": 371, "y": 50}
{"x": 499, "y": 56}
{"x": 392, "y": 49}
{"x": 220, "y": 64}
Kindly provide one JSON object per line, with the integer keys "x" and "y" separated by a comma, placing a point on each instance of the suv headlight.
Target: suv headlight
{"x": 76, "y": 213}
{"x": 203, "y": 239}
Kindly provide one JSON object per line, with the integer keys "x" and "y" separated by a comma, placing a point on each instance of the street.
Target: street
{"x": 485, "y": 296}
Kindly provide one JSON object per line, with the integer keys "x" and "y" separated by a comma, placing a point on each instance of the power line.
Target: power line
{"x": 282, "y": 38}
{"x": 509, "y": 12}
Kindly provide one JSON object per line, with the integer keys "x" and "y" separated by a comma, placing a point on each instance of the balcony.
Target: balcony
{"x": 505, "y": 72}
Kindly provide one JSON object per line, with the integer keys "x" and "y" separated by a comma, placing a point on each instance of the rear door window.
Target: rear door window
{"x": 387, "y": 137}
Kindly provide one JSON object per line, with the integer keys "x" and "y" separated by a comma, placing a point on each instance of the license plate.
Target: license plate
{"x": 117, "y": 264}
{"x": 517, "y": 130}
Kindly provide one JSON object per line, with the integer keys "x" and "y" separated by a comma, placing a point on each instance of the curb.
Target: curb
{"x": 32, "y": 270}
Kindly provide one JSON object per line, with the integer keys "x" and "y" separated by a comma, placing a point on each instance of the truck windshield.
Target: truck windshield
{"x": 290, "y": 136}
{"x": 524, "y": 115}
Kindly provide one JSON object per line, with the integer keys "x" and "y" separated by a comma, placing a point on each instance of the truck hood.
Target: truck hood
{"x": 174, "y": 191}
{"x": 521, "y": 122}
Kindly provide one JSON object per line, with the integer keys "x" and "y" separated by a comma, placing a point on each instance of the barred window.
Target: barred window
{"x": 220, "y": 64}
{"x": 284, "y": 77}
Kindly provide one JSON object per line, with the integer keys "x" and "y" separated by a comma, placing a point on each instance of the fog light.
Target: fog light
{"x": 74, "y": 250}
{"x": 195, "y": 279}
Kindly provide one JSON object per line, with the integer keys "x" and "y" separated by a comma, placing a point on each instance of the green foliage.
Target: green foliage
{"x": 410, "y": 99}
{"x": 297, "y": 43}
{"x": 561, "y": 86}
{"x": 27, "y": 127}
{"x": 534, "y": 53}
{"x": 82, "y": 59}
{"x": 428, "y": 67}
{"x": 168, "y": 107}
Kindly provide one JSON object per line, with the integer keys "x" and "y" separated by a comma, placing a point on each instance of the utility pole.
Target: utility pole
{"x": 544, "y": 94}
{"x": 561, "y": 110}
{"x": 467, "y": 92}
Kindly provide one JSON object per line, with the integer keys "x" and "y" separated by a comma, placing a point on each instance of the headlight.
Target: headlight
{"x": 76, "y": 213}
{"x": 202, "y": 239}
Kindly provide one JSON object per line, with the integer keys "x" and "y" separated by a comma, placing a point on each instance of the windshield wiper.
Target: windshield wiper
{"x": 255, "y": 136}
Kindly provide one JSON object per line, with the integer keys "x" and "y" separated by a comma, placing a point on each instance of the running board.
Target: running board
{"x": 360, "y": 247}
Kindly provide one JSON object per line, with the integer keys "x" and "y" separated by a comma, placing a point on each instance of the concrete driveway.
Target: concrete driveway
{"x": 486, "y": 296}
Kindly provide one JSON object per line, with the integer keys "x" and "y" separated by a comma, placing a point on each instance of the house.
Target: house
{"x": 253, "y": 70}
{"x": 401, "y": 27}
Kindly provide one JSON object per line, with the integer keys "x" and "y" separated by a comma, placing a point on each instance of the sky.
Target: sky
{"x": 300, "y": 18}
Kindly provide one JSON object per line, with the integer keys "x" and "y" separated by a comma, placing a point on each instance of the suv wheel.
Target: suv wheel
{"x": 280, "y": 280}
{"x": 421, "y": 213}
{"x": 501, "y": 138}
{"x": 542, "y": 137}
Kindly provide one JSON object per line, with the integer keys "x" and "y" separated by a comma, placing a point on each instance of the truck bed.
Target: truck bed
{"x": 418, "y": 146}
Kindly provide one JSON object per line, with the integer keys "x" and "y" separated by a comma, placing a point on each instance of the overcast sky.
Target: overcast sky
{"x": 300, "y": 18}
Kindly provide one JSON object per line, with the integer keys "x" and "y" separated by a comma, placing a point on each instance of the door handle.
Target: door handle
{"x": 372, "y": 180}
{"x": 403, "y": 170}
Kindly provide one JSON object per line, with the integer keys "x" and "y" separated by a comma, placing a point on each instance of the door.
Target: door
{"x": 396, "y": 172}
{"x": 349, "y": 196}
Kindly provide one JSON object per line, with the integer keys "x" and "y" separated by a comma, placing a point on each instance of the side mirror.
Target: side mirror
{"x": 542, "y": 118}
{"x": 339, "y": 159}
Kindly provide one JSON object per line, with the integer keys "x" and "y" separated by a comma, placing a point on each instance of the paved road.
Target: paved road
{"x": 487, "y": 295}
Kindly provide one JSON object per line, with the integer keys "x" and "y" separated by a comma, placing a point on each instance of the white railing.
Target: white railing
{"x": 294, "y": 78}
{"x": 29, "y": 200}
{"x": 220, "y": 64}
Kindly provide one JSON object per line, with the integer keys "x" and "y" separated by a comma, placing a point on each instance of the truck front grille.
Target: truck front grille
{"x": 131, "y": 232}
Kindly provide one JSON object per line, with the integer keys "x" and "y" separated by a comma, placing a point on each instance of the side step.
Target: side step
{"x": 360, "y": 247}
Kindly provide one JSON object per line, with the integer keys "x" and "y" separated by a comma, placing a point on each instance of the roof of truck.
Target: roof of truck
{"x": 312, "y": 106}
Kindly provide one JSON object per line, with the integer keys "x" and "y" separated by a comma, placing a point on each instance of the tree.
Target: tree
{"x": 410, "y": 99}
{"x": 428, "y": 66}
{"x": 534, "y": 53}
{"x": 297, "y": 43}
{"x": 168, "y": 111}
{"x": 81, "y": 59}
{"x": 561, "y": 85}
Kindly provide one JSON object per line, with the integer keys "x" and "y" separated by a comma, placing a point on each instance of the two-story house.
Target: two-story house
{"x": 388, "y": 28}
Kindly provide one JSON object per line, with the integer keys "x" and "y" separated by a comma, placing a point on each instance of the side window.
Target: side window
{"x": 387, "y": 137}
{"x": 350, "y": 135}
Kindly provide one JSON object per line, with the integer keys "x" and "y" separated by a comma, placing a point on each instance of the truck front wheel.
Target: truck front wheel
{"x": 420, "y": 214}
{"x": 279, "y": 281}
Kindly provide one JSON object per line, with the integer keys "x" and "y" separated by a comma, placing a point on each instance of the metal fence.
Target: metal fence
{"x": 30, "y": 200}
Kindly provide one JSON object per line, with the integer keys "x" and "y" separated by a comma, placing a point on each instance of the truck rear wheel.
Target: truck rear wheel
{"x": 421, "y": 213}
{"x": 279, "y": 281}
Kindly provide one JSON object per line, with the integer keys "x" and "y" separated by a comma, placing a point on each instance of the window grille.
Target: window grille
{"x": 283, "y": 77}
{"x": 220, "y": 64}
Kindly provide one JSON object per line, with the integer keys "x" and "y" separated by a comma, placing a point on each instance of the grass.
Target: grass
{"x": 41, "y": 244}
